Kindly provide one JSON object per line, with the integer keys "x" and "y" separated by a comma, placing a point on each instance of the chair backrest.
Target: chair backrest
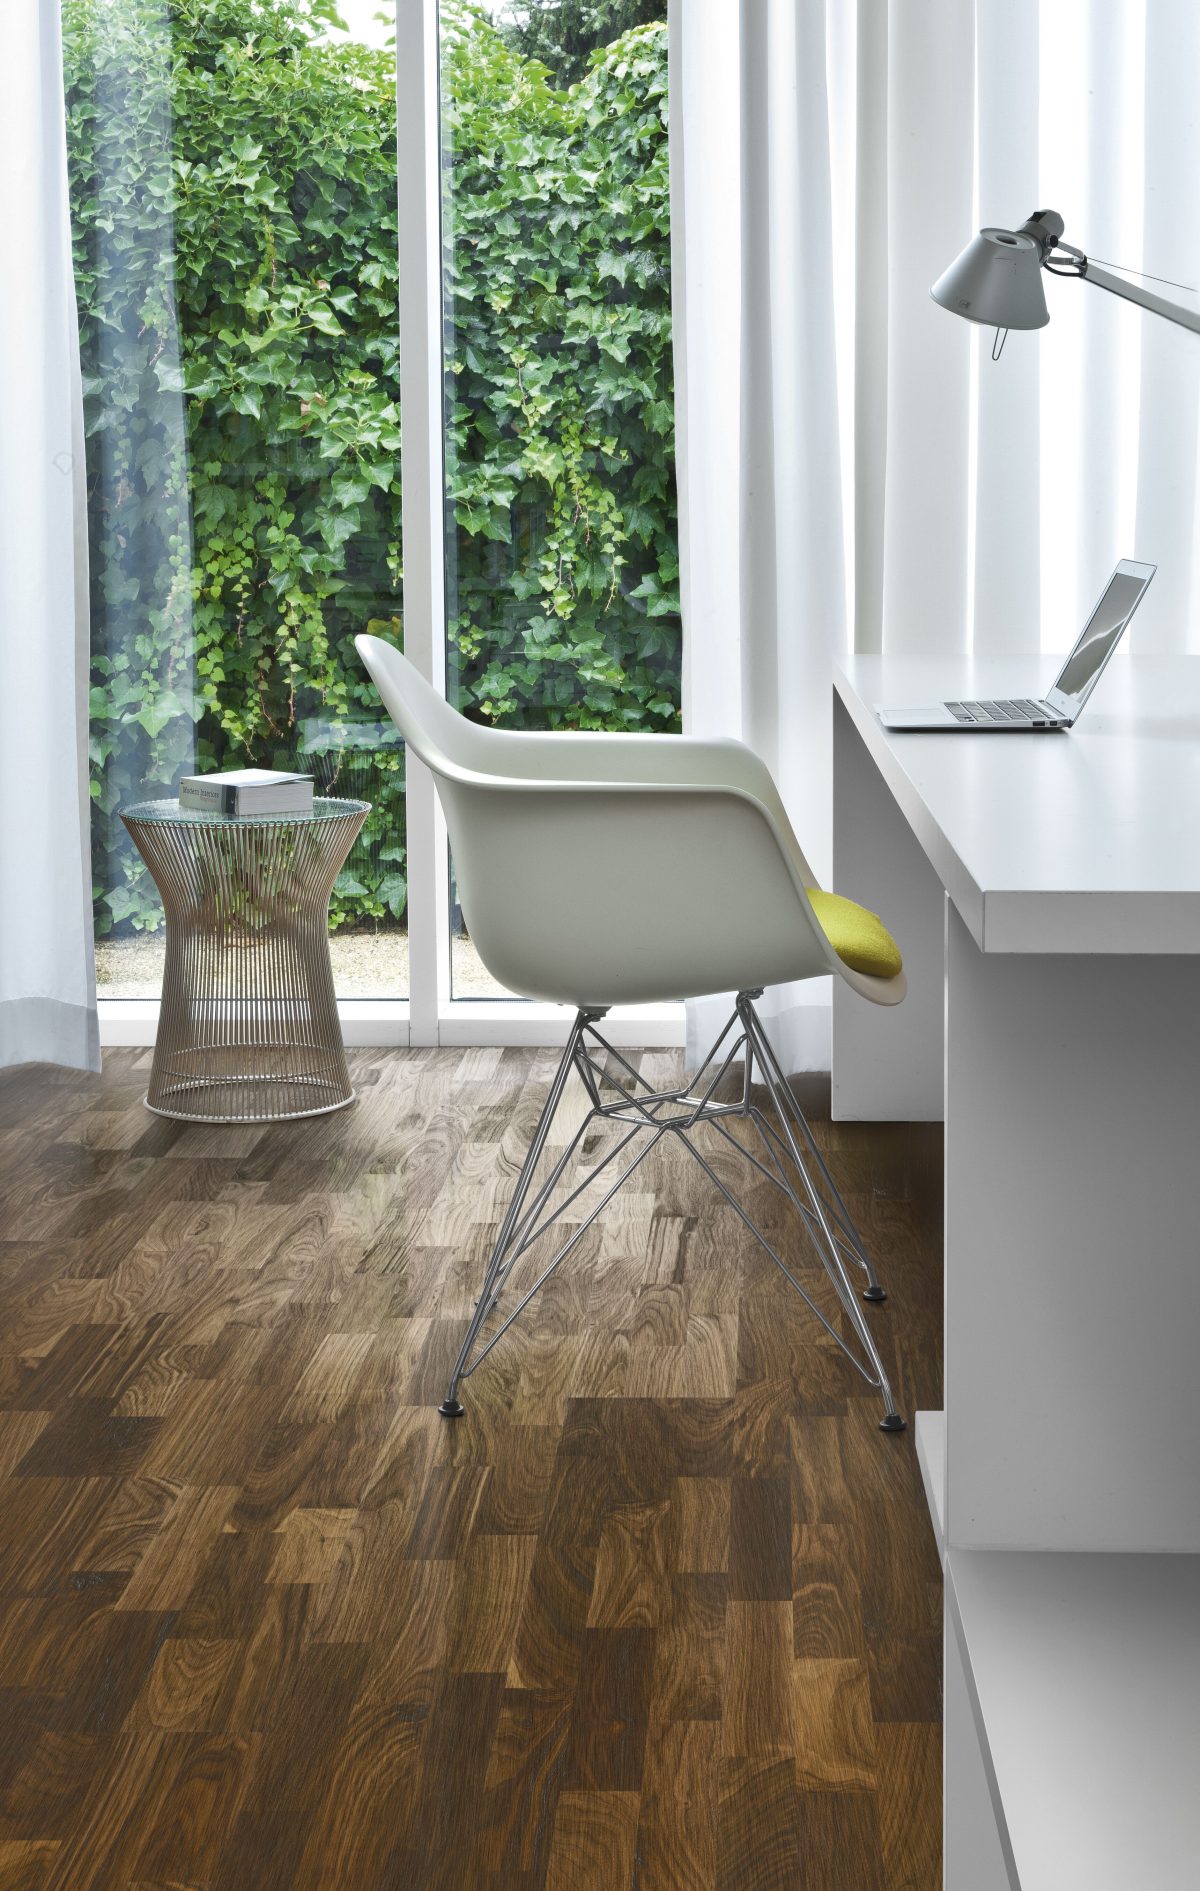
{"x": 430, "y": 727}
{"x": 597, "y": 869}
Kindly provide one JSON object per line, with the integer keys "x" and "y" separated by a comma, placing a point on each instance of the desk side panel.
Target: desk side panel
{"x": 887, "y": 1061}
{"x": 1072, "y": 1259}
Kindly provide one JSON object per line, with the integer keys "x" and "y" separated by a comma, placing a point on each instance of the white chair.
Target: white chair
{"x": 597, "y": 870}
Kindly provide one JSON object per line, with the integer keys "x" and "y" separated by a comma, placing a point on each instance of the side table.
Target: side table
{"x": 248, "y": 1031}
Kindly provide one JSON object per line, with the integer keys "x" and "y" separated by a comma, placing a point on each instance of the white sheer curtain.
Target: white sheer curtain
{"x": 761, "y": 508}
{"x": 47, "y": 973}
{"x": 840, "y": 436}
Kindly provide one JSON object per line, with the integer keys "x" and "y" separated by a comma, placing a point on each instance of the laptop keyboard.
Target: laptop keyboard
{"x": 1016, "y": 711}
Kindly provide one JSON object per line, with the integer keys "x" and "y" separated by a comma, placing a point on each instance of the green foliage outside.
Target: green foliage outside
{"x": 563, "y": 561}
{"x": 233, "y": 179}
{"x": 564, "y": 34}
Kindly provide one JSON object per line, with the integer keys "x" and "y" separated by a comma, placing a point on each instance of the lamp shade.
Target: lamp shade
{"x": 997, "y": 280}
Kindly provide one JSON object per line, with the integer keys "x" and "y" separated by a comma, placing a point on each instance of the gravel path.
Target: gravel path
{"x": 365, "y": 965}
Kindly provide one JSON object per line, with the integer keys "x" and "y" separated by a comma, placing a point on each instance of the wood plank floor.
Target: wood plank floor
{"x": 662, "y": 1611}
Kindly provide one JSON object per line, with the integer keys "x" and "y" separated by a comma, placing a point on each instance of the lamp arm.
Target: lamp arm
{"x": 1046, "y": 228}
{"x": 1145, "y": 298}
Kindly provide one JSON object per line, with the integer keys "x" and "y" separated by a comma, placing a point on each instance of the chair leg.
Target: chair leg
{"x": 450, "y": 1406}
{"x": 638, "y": 1109}
{"x": 819, "y": 1220}
{"x": 873, "y": 1290}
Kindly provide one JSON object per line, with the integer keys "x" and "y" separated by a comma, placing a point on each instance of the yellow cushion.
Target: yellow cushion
{"x": 860, "y": 940}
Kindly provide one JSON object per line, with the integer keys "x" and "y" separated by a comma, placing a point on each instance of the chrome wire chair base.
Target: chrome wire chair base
{"x": 788, "y": 1157}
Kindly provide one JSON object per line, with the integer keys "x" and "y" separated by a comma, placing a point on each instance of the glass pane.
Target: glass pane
{"x": 233, "y": 177}
{"x": 561, "y": 543}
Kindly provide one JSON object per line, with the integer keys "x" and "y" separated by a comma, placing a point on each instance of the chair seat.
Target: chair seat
{"x": 860, "y": 939}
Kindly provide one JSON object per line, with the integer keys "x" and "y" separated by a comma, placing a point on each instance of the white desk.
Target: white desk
{"x": 1045, "y": 891}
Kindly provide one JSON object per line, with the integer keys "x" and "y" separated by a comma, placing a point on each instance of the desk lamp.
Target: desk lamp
{"x": 997, "y": 280}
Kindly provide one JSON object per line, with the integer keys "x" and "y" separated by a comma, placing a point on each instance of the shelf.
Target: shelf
{"x": 1083, "y": 1671}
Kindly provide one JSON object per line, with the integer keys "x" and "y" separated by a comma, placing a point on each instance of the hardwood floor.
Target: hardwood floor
{"x": 660, "y": 1612}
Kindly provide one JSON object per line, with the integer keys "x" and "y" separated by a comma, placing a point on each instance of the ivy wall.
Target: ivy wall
{"x": 233, "y": 177}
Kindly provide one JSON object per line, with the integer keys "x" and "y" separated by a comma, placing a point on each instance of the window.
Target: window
{"x": 233, "y": 179}
{"x": 240, "y": 269}
{"x": 562, "y": 570}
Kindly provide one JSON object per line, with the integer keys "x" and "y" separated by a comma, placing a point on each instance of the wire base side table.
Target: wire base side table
{"x": 248, "y": 1030}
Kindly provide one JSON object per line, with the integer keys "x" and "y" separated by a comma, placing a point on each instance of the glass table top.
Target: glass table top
{"x": 169, "y": 813}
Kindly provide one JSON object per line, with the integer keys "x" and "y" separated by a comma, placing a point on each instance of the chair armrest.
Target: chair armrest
{"x": 577, "y": 760}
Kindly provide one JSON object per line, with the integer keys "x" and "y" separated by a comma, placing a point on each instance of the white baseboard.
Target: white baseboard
{"x": 384, "y": 1025}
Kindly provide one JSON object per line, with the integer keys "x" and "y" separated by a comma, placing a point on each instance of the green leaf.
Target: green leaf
{"x": 322, "y": 317}
{"x": 393, "y": 891}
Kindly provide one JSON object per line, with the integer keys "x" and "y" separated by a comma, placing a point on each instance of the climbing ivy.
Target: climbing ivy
{"x": 564, "y": 564}
{"x": 233, "y": 189}
{"x": 564, "y": 34}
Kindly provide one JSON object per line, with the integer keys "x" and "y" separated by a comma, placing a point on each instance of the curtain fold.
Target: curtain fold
{"x": 757, "y": 410}
{"x": 1168, "y": 445}
{"x": 47, "y": 968}
{"x": 1007, "y": 515}
{"x": 827, "y": 162}
{"x": 930, "y": 91}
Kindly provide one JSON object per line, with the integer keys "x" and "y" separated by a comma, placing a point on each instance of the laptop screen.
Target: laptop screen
{"x": 1102, "y": 633}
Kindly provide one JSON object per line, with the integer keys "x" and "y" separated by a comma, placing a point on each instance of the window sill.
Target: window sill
{"x": 369, "y": 1024}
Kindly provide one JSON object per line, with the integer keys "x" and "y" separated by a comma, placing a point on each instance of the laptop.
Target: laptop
{"x": 1063, "y": 702}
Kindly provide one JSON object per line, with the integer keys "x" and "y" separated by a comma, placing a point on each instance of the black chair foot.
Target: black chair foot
{"x": 450, "y": 1408}
{"x": 875, "y": 1293}
{"x": 893, "y": 1422}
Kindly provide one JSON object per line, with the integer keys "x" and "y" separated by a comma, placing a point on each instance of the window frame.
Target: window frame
{"x": 429, "y": 1016}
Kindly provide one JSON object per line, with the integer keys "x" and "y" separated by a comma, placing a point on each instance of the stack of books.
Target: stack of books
{"x": 247, "y": 791}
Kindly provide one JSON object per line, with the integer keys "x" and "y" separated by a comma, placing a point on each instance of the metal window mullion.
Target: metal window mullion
{"x": 418, "y": 186}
